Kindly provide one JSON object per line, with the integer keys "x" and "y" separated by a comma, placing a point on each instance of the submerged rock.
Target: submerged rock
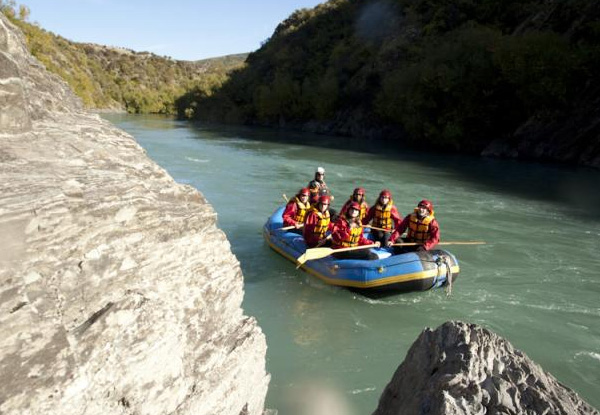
{"x": 465, "y": 369}
{"x": 118, "y": 293}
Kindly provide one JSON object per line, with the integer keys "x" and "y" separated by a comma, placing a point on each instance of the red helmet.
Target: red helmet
{"x": 304, "y": 191}
{"x": 426, "y": 204}
{"x": 385, "y": 192}
{"x": 325, "y": 199}
{"x": 359, "y": 191}
{"x": 354, "y": 205}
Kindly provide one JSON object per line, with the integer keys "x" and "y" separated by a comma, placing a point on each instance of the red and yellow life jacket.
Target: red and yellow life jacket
{"x": 418, "y": 229}
{"x": 363, "y": 210}
{"x": 352, "y": 238}
{"x": 301, "y": 211}
{"x": 383, "y": 215}
{"x": 323, "y": 223}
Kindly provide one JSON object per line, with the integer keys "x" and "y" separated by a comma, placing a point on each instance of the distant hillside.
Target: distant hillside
{"x": 516, "y": 78}
{"x": 121, "y": 79}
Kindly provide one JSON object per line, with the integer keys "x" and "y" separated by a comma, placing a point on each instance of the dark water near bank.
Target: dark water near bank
{"x": 536, "y": 282}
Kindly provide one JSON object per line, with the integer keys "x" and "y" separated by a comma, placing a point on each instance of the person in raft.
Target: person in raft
{"x": 358, "y": 196}
{"x": 383, "y": 214}
{"x": 421, "y": 227}
{"x": 317, "y": 223}
{"x": 296, "y": 209}
{"x": 348, "y": 232}
{"x": 318, "y": 187}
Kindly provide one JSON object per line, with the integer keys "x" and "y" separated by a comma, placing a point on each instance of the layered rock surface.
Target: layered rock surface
{"x": 118, "y": 293}
{"x": 465, "y": 369}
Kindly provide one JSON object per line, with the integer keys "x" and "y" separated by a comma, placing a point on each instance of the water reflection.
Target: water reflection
{"x": 573, "y": 187}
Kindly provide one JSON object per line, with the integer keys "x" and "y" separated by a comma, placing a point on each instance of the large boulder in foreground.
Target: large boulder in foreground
{"x": 118, "y": 293}
{"x": 465, "y": 369}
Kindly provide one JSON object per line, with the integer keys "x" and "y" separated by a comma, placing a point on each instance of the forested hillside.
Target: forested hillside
{"x": 515, "y": 77}
{"x": 121, "y": 79}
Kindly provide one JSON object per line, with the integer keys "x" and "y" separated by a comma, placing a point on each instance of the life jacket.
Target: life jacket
{"x": 363, "y": 210}
{"x": 418, "y": 229}
{"x": 383, "y": 215}
{"x": 301, "y": 211}
{"x": 323, "y": 223}
{"x": 352, "y": 238}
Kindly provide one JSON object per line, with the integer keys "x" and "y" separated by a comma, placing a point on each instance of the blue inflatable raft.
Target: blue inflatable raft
{"x": 414, "y": 271}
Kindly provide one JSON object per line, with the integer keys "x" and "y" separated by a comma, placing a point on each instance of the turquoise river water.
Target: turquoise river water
{"x": 536, "y": 282}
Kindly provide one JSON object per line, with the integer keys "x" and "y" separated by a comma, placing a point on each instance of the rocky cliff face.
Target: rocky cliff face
{"x": 464, "y": 369}
{"x": 118, "y": 294}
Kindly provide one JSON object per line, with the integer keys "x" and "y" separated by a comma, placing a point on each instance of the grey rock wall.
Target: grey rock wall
{"x": 118, "y": 293}
{"x": 464, "y": 369}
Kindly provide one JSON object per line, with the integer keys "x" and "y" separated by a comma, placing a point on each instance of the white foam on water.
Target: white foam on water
{"x": 579, "y": 326}
{"x": 358, "y": 391}
{"x": 359, "y": 323}
{"x": 593, "y": 355}
{"x": 389, "y": 301}
{"x": 555, "y": 307}
{"x": 197, "y": 160}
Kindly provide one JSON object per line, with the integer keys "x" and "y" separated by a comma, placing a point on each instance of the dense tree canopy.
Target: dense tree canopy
{"x": 451, "y": 73}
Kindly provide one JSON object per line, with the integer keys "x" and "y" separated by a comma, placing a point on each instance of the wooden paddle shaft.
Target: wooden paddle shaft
{"x": 441, "y": 243}
{"x": 378, "y": 229}
{"x": 353, "y": 248}
{"x": 287, "y": 228}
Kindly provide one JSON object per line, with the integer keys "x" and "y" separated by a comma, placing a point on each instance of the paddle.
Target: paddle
{"x": 285, "y": 198}
{"x": 441, "y": 243}
{"x": 287, "y": 228}
{"x": 316, "y": 253}
{"x": 378, "y": 229}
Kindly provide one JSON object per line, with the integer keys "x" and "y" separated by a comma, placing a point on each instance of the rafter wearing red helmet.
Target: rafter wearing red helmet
{"x": 421, "y": 227}
{"x": 317, "y": 223}
{"x": 296, "y": 209}
{"x": 348, "y": 232}
{"x": 383, "y": 214}
{"x": 358, "y": 196}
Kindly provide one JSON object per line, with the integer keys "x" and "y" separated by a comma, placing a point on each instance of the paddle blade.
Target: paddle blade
{"x": 313, "y": 253}
{"x": 301, "y": 260}
{"x": 316, "y": 253}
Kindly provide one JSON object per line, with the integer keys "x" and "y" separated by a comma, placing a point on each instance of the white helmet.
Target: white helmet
{"x": 320, "y": 170}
